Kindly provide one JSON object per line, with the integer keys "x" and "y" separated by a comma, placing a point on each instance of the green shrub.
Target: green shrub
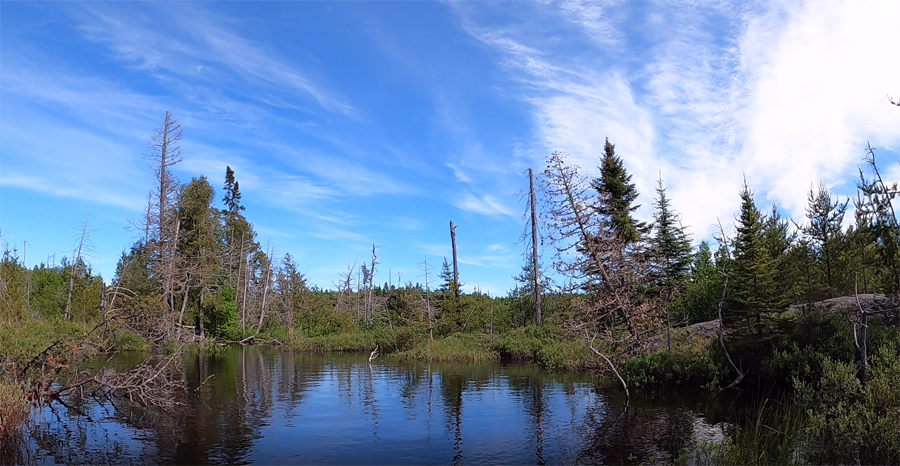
{"x": 666, "y": 368}
{"x": 854, "y": 422}
{"x": 467, "y": 347}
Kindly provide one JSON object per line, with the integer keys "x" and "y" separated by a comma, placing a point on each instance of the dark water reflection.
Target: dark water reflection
{"x": 266, "y": 406}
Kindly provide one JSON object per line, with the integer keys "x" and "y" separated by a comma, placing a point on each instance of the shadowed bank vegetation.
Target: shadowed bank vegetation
{"x": 630, "y": 299}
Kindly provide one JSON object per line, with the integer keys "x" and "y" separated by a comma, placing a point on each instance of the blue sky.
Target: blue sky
{"x": 351, "y": 124}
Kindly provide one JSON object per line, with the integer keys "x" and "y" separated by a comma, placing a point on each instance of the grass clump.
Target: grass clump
{"x": 772, "y": 432}
{"x": 544, "y": 346}
{"x": 457, "y": 347}
{"x": 13, "y": 416}
{"x": 692, "y": 363}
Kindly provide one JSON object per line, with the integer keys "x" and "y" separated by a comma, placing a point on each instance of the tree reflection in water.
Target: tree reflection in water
{"x": 258, "y": 405}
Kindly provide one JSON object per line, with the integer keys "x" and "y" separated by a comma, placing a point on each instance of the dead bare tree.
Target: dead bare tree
{"x": 575, "y": 228}
{"x": 262, "y": 310}
{"x": 740, "y": 373}
{"x": 455, "y": 263}
{"x": 534, "y": 252}
{"x": 427, "y": 300}
{"x": 345, "y": 284}
{"x": 162, "y": 222}
{"x": 585, "y": 252}
{"x": 72, "y": 273}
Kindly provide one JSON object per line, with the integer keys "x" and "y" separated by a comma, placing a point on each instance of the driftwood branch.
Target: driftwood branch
{"x": 611, "y": 366}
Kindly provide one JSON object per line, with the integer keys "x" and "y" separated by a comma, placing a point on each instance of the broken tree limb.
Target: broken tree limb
{"x": 611, "y": 366}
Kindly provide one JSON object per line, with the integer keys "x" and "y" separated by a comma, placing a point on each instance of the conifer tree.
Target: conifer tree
{"x": 779, "y": 242}
{"x": 751, "y": 267}
{"x": 617, "y": 196}
{"x": 670, "y": 253}
{"x": 671, "y": 246}
{"x": 824, "y": 231}
{"x": 232, "y": 197}
{"x": 700, "y": 296}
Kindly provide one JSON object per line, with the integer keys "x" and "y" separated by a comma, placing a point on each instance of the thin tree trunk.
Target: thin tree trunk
{"x": 244, "y": 304}
{"x": 262, "y": 311}
{"x": 455, "y": 262}
{"x": 534, "y": 252}
{"x": 74, "y": 270}
{"x": 184, "y": 302}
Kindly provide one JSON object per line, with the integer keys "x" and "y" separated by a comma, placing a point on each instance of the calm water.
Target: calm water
{"x": 268, "y": 406}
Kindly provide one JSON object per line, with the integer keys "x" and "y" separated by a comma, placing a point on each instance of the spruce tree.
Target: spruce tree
{"x": 670, "y": 252}
{"x": 751, "y": 268}
{"x": 617, "y": 196}
{"x": 671, "y": 246}
{"x": 824, "y": 232}
{"x": 232, "y": 197}
{"x": 779, "y": 242}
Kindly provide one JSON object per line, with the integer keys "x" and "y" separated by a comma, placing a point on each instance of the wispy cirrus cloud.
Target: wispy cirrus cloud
{"x": 483, "y": 204}
{"x": 785, "y": 93}
{"x": 198, "y": 45}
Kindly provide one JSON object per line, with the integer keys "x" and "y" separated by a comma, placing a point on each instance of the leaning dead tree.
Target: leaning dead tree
{"x": 584, "y": 251}
{"x": 594, "y": 261}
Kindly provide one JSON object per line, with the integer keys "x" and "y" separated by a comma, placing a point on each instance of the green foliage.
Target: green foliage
{"x": 851, "y": 422}
{"x": 13, "y": 288}
{"x": 49, "y": 287}
{"x": 546, "y": 346}
{"x": 459, "y": 347}
{"x": 753, "y": 271}
{"x": 617, "y": 196}
{"x": 825, "y": 234}
{"x": 220, "y": 314}
{"x": 700, "y": 295}
{"x": 695, "y": 366}
{"x": 772, "y": 432}
{"x": 670, "y": 245}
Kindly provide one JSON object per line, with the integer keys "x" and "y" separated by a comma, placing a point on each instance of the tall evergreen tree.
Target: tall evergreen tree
{"x": 779, "y": 242}
{"x": 617, "y": 196}
{"x": 200, "y": 245}
{"x": 751, "y": 268}
{"x": 824, "y": 232}
{"x": 671, "y": 246}
{"x": 232, "y": 197}
{"x": 700, "y": 296}
{"x": 670, "y": 250}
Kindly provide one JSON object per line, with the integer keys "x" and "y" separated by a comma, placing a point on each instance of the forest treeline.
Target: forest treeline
{"x": 199, "y": 270}
{"x": 623, "y": 290}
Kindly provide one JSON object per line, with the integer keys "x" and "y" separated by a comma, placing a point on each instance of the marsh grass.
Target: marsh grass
{"x": 771, "y": 432}
{"x": 457, "y": 347}
{"x": 14, "y": 413}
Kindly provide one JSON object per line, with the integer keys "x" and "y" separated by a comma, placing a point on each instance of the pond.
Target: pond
{"x": 256, "y": 405}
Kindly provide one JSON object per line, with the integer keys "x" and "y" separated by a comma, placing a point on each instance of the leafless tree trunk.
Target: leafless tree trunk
{"x": 455, "y": 263}
{"x": 74, "y": 270}
{"x": 534, "y": 251}
{"x": 262, "y": 310}
{"x": 166, "y": 153}
{"x": 428, "y": 303}
{"x": 572, "y": 227}
{"x": 370, "y": 287}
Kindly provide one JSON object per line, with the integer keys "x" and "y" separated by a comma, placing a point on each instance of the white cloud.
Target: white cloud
{"x": 198, "y": 46}
{"x": 786, "y": 93}
{"x": 484, "y": 204}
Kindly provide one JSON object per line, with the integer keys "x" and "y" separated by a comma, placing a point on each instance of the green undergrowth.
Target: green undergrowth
{"x": 770, "y": 432}
{"x": 693, "y": 363}
{"x": 23, "y": 340}
{"x": 457, "y": 347}
{"x": 545, "y": 346}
